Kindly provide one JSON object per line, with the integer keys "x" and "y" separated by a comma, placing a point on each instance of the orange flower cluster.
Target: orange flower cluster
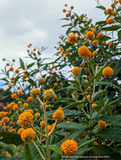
{"x": 25, "y": 119}
{"x": 109, "y": 20}
{"x": 42, "y": 124}
{"x": 20, "y": 131}
{"x": 99, "y": 35}
{"x": 24, "y": 76}
{"x": 9, "y": 85}
{"x": 14, "y": 96}
{"x": 107, "y": 72}
{"x": 76, "y": 70}
{"x": 94, "y": 53}
{"x": 69, "y": 147}
{"x": 5, "y": 119}
{"x": 94, "y": 105}
{"x": 72, "y": 38}
{"x": 11, "y": 69}
{"x": 20, "y": 93}
{"x": 89, "y": 35}
{"x": 49, "y": 128}
{"x": 109, "y": 10}
{"x": 34, "y": 92}
{"x": 83, "y": 51}
{"x": 2, "y": 113}
{"x": 30, "y": 99}
{"x": 58, "y": 115}
{"x": 49, "y": 94}
{"x": 25, "y": 105}
{"x": 15, "y": 107}
{"x": 26, "y": 133}
{"x": 102, "y": 124}
{"x": 95, "y": 42}
{"x": 37, "y": 115}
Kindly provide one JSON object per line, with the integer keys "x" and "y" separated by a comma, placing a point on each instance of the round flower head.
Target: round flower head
{"x": 86, "y": 69}
{"x": 41, "y": 81}
{"x": 20, "y": 131}
{"x": 15, "y": 107}
{"x": 24, "y": 76}
{"x": 14, "y": 96}
{"x": 5, "y": 119}
{"x": 110, "y": 44}
{"x": 95, "y": 143}
{"x": 107, "y": 72}
{"x": 26, "y": 133}
{"x": 89, "y": 35}
{"x": 83, "y": 51}
{"x": 119, "y": 1}
{"x": 58, "y": 115}
{"x": 11, "y": 69}
{"x": 94, "y": 53}
{"x": 88, "y": 97}
{"x": 42, "y": 124}
{"x": 17, "y": 70}
{"x": 69, "y": 147}
{"x": 72, "y": 38}
{"x": 99, "y": 35}
{"x": 9, "y": 85}
{"x": 94, "y": 105}
{"x": 109, "y": 10}
{"x": 104, "y": 43}
{"x": 49, "y": 128}
{"x": 37, "y": 115}
{"x": 95, "y": 42}
{"x": 49, "y": 95}
{"x": 12, "y": 104}
{"x": 109, "y": 20}
{"x": 34, "y": 92}
{"x": 25, "y": 119}
{"x": 67, "y": 14}
{"x": 102, "y": 124}
{"x": 30, "y": 99}
{"x": 20, "y": 93}
{"x": 25, "y": 105}
{"x": 76, "y": 70}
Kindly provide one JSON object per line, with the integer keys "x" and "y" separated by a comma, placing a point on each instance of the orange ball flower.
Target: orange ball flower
{"x": 42, "y": 124}
{"x": 12, "y": 104}
{"x": 95, "y": 42}
{"x": 107, "y": 72}
{"x": 49, "y": 128}
{"x": 110, "y": 44}
{"x": 25, "y": 105}
{"x": 94, "y": 105}
{"x": 14, "y": 96}
{"x": 64, "y": 10}
{"x": 72, "y": 38}
{"x": 69, "y": 147}
{"x": 30, "y": 99}
{"x": 37, "y": 115}
{"x": 5, "y": 119}
{"x": 25, "y": 119}
{"x": 11, "y": 69}
{"x": 67, "y": 14}
{"x": 17, "y": 70}
{"x": 49, "y": 95}
{"x": 20, "y": 93}
{"x": 104, "y": 43}
{"x": 99, "y": 35}
{"x": 88, "y": 97}
{"x": 86, "y": 69}
{"x": 71, "y": 7}
{"x": 102, "y": 124}
{"x": 83, "y": 51}
{"x": 31, "y": 111}
{"x": 109, "y": 20}
{"x": 27, "y": 132}
{"x": 24, "y": 76}
{"x": 89, "y": 35}
{"x": 95, "y": 143}
{"x": 20, "y": 131}
{"x": 58, "y": 115}
{"x": 9, "y": 85}
{"x": 76, "y": 70}
{"x": 94, "y": 53}
{"x": 119, "y": 1}
{"x": 15, "y": 107}
{"x": 109, "y": 10}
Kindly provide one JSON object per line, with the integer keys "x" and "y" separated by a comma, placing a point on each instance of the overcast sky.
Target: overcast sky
{"x": 37, "y": 22}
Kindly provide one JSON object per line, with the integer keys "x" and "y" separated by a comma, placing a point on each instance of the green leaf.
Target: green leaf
{"x": 10, "y": 138}
{"x": 101, "y": 68}
{"x": 54, "y": 148}
{"x": 101, "y": 7}
{"x": 107, "y": 152}
{"x": 109, "y": 110}
{"x": 70, "y": 126}
{"x": 112, "y": 28}
{"x": 27, "y": 152}
{"x": 111, "y": 134}
{"x": 22, "y": 63}
{"x": 10, "y": 158}
{"x": 96, "y": 94}
{"x": 87, "y": 142}
{"x": 92, "y": 64}
{"x": 113, "y": 85}
{"x": 6, "y": 147}
{"x": 119, "y": 34}
{"x": 30, "y": 65}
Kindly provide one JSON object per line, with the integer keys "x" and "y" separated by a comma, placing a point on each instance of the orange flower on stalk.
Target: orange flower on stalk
{"x": 110, "y": 21}
{"x": 14, "y": 96}
{"x": 76, "y": 70}
{"x": 20, "y": 93}
{"x": 30, "y": 99}
{"x": 15, "y": 107}
{"x": 42, "y": 124}
{"x": 25, "y": 105}
{"x": 49, "y": 128}
{"x": 11, "y": 69}
{"x": 17, "y": 70}
{"x": 89, "y": 35}
{"x": 67, "y": 14}
{"x": 5, "y": 119}
{"x": 94, "y": 53}
{"x": 58, "y": 115}
{"x": 109, "y": 10}
{"x": 26, "y": 132}
{"x": 102, "y": 124}
{"x": 24, "y": 76}
{"x": 9, "y": 85}
{"x": 83, "y": 51}
{"x": 20, "y": 131}
{"x": 72, "y": 38}
{"x": 107, "y": 72}
{"x": 99, "y": 35}
{"x": 69, "y": 147}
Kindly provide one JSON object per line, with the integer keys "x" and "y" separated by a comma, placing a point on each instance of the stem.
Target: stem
{"x": 46, "y": 133}
{"x": 38, "y": 150}
{"x": 52, "y": 128}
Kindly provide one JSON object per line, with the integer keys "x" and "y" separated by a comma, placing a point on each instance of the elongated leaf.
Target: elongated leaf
{"x": 10, "y": 138}
{"x": 111, "y": 84}
{"x": 112, "y": 28}
{"x": 111, "y": 134}
{"x": 54, "y": 148}
{"x": 21, "y": 63}
{"x": 27, "y": 152}
{"x": 10, "y": 158}
{"x": 107, "y": 152}
{"x": 101, "y": 7}
{"x": 6, "y": 147}
{"x": 71, "y": 126}
{"x": 30, "y": 65}
{"x": 96, "y": 94}
{"x": 92, "y": 64}
{"x": 87, "y": 142}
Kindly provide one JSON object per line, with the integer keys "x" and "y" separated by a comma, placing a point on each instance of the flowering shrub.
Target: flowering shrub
{"x": 63, "y": 116}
